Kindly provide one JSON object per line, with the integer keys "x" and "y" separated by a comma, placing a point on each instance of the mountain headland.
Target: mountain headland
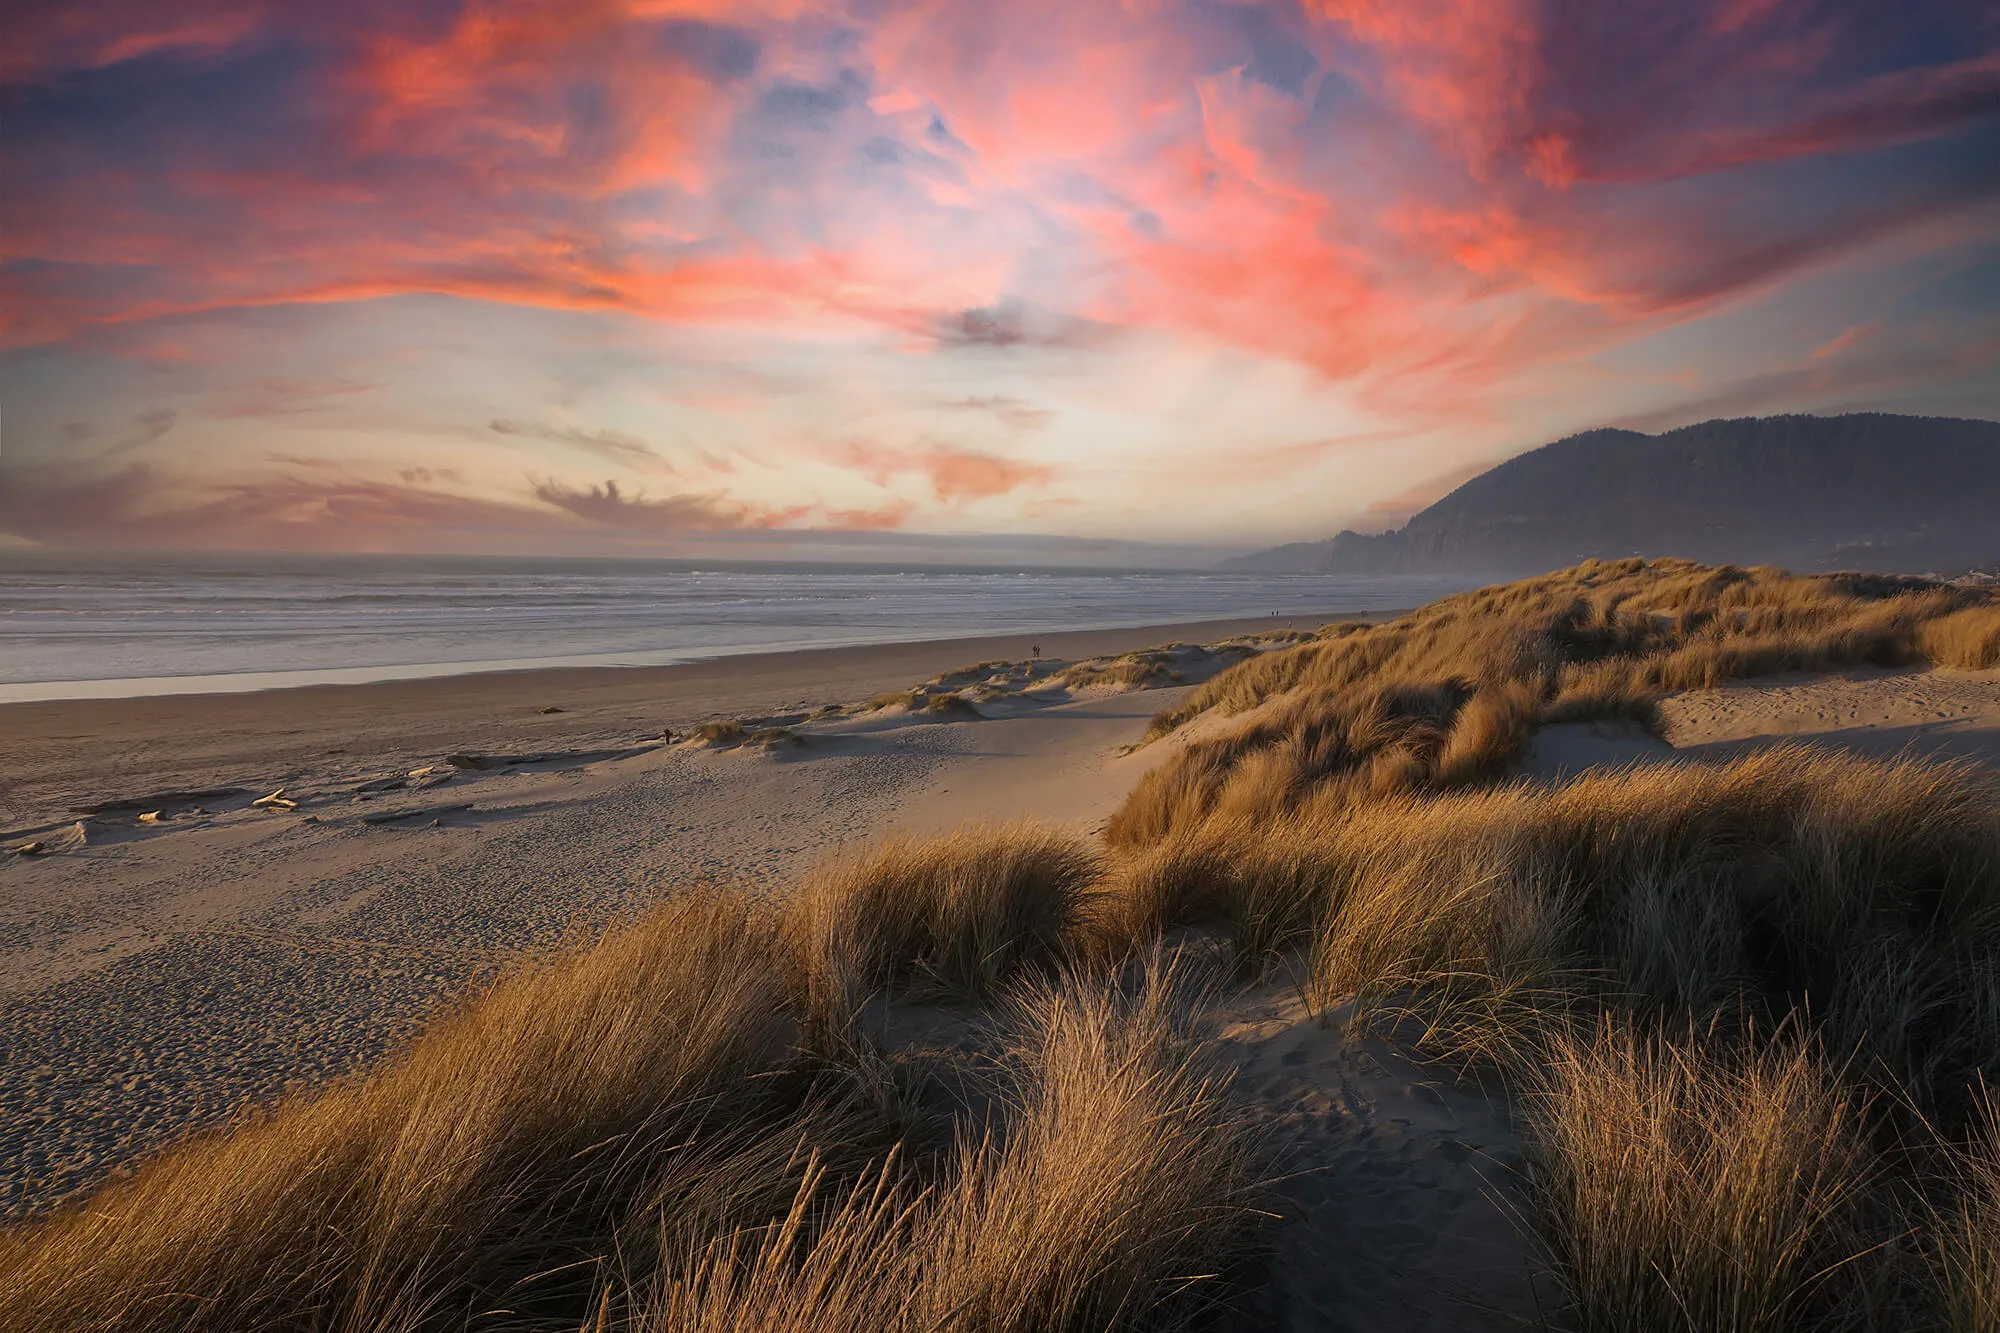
{"x": 1871, "y": 491}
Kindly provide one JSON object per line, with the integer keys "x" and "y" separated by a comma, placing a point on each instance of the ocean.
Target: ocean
{"x": 107, "y": 625}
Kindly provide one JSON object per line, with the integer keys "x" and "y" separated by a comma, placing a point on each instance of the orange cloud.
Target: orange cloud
{"x": 954, "y": 475}
{"x": 1426, "y": 202}
{"x": 882, "y": 518}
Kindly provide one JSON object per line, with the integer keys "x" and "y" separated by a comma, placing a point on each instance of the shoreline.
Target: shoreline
{"x": 302, "y": 678}
{"x": 159, "y": 974}
{"x": 65, "y": 752}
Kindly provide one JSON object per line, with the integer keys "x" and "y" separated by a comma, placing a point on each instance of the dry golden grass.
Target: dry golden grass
{"x": 1118, "y": 1186}
{"x": 1270, "y": 886}
{"x": 1684, "y": 1187}
{"x": 1853, "y": 905}
{"x": 1865, "y": 895}
{"x": 951, "y": 703}
{"x": 1687, "y": 625}
{"x": 920, "y": 700}
{"x": 1970, "y": 1233}
{"x": 1350, "y": 812}
{"x": 470, "y": 1175}
{"x": 900, "y": 699}
{"x": 954, "y": 916}
{"x": 730, "y": 732}
{"x": 1592, "y": 644}
{"x": 1865, "y": 892}
{"x": 1134, "y": 671}
{"x": 1969, "y": 639}
{"x": 1614, "y": 690}
{"x": 645, "y": 1108}
{"x": 1321, "y": 750}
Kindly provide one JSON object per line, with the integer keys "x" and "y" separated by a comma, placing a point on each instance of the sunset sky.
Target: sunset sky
{"x": 679, "y": 276}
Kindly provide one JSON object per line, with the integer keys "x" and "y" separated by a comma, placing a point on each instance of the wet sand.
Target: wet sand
{"x": 63, "y": 753}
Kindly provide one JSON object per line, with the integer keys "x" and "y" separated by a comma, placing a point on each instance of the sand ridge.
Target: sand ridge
{"x": 1926, "y": 712}
{"x": 1930, "y": 712}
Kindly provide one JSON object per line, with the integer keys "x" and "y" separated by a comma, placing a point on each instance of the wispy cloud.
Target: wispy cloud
{"x": 611, "y": 445}
{"x": 1437, "y": 213}
{"x": 1017, "y": 413}
{"x": 606, "y": 506}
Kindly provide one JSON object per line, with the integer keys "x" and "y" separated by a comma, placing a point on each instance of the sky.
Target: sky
{"x": 689, "y": 276}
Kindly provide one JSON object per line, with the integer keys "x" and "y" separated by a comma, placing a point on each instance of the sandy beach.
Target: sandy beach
{"x": 237, "y": 895}
{"x": 160, "y": 974}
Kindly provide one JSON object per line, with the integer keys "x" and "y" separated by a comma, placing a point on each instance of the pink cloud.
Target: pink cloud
{"x": 318, "y": 504}
{"x": 462, "y": 166}
{"x": 954, "y": 475}
{"x": 883, "y": 518}
{"x": 1424, "y": 201}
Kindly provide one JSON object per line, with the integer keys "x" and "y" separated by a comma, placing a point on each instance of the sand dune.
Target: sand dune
{"x": 1927, "y": 713}
{"x": 169, "y": 969}
{"x": 1934, "y": 714}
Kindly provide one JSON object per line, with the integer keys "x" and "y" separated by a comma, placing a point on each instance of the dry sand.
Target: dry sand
{"x": 1929, "y": 714}
{"x": 159, "y": 976}
{"x": 162, "y": 974}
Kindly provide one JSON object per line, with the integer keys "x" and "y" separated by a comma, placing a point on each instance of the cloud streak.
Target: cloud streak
{"x": 314, "y": 506}
{"x": 984, "y": 228}
{"x": 613, "y": 446}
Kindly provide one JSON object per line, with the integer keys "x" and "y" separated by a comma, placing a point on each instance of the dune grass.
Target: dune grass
{"x": 1609, "y": 691}
{"x": 1119, "y": 1183}
{"x": 1865, "y": 894}
{"x": 947, "y": 917}
{"x": 1646, "y": 626}
{"x": 1133, "y": 671}
{"x": 1969, "y": 1228}
{"x": 1340, "y": 749}
{"x": 1826, "y": 928}
{"x": 944, "y": 703}
{"x": 633, "y": 1137}
{"x": 728, "y": 732}
{"x": 1969, "y": 639}
{"x": 951, "y": 703}
{"x": 1682, "y": 1186}
{"x": 479, "y": 1172}
{"x": 1749, "y": 1011}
